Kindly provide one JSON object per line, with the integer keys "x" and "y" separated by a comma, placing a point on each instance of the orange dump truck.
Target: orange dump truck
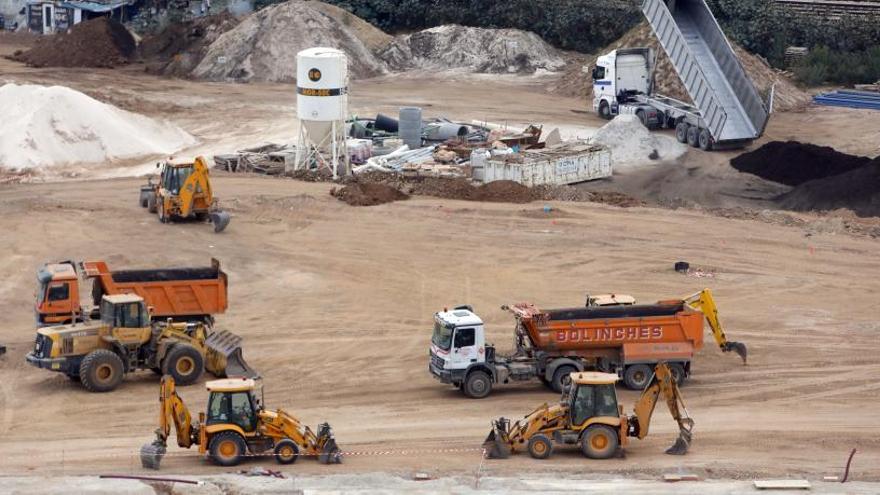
{"x": 552, "y": 343}
{"x": 182, "y": 294}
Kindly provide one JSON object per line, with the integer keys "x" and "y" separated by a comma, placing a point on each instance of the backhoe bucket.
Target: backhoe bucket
{"x": 224, "y": 357}
{"x": 152, "y": 453}
{"x": 330, "y": 453}
{"x": 220, "y": 219}
{"x": 494, "y": 446}
{"x": 739, "y": 348}
{"x": 683, "y": 442}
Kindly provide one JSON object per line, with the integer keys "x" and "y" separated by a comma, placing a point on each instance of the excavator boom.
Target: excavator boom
{"x": 172, "y": 409}
{"x": 663, "y": 383}
{"x": 704, "y": 302}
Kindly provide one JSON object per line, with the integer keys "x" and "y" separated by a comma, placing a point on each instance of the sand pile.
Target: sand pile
{"x": 48, "y": 126}
{"x": 367, "y": 194}
{"x": 632, "y": 144}
{"x": 793, "y": 163}
{"x": 575, "y": 82}
{"x": 178, "y": 49}
{"x": 476, "y": 49}
{"x": 100, "y": 42}
{"x": 263, "y": 47}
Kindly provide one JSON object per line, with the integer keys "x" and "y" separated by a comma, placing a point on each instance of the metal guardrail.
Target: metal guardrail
{"x": 685, "y": 64}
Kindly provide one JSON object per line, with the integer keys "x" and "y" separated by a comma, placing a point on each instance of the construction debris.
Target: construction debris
{"x": 261, "y": 471}
{"x": 782, "y": 484}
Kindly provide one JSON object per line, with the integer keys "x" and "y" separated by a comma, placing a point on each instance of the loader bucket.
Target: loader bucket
{"x": 683, "y": 442}
{"x": 224, "y": 357}
{"x": 494, "y": 447}
{"x": 152, "y": 453}
{"x": 220, "y": 219}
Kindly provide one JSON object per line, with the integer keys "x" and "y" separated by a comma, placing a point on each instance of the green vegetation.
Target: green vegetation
{"x": 824, "y": 65}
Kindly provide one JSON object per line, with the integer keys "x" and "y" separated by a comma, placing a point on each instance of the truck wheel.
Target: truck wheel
{"x": 560, "y": 376}
{"x": 477, "y": 385}
{"x": 226, "y": 448}
{"x": 705, "y": 140}
{"x": 599, "y": 442}
{"x": 641, "y": 115}
{"x": 678, "y": 373}
{"x": 693, "y": 136}
{"x": 151, "y": 203}
{"x": 286, "y": 451}
{"x": 681, "y": 132}
{"x": 101, "y": 371}
{"x": 160, "y": 212}
{"x": 604, "y": 110}
{"x": 637, "y": 376}
{"x": 540, "y": 446}
{"x": 184, "y": 363}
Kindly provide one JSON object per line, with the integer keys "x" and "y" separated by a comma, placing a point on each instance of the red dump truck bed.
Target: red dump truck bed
{"x": 667, "y": 330}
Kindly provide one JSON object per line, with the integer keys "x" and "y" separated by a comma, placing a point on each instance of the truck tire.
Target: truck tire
{"x": 540, "y": 446}
{"x": 151, "y": 203}
{"x": 681, "y": 132}
{"x": 705, "y": 140}
{"x": 286, "y": 451}
{"x": 160, "y": 213}
{"x": 226, "y": 448}
{"x": 604, "y": 110}
{"x": 637, "y": 376}
{"x": 477, "y": 385}
{"x": 641, "y": 115}
{"x": 101, "y": 371}
{"x": 599, "y": 442}
{"x": 184, "y": 363}
{"x": 678, "y": 374}
{"x": 693, "y": 136}
{"x": 559, "y": 377}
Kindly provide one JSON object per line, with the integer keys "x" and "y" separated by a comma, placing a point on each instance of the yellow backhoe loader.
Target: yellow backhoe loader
{"x": 184, "y": 191}
{"x": 588, "y": 416}
{"x": 235, "y": 425}
{"x": 98, "y": 353}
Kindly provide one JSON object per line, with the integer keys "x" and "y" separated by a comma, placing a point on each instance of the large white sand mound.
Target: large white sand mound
{"x": 632, "y": 144}
{"x": 49, "y": 126}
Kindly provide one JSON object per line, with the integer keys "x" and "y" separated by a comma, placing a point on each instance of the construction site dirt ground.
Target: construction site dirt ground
{"x": 335, "y": 302}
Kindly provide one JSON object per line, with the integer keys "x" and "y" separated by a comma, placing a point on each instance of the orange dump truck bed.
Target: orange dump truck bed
{"x": 667, "y": 330}
{"x": 172, "y": 293}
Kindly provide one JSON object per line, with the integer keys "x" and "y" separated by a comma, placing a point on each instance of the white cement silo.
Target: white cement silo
{"x": 322, "y": 107}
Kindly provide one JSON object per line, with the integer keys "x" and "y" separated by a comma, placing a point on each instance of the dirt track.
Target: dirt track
{"x": 335, "y": 305}
{"x": 335, "y": 302}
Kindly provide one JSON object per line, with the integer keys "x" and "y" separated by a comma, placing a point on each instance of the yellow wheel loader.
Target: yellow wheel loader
{"x": 184, "y": 191}
{"x": 235, "y": 425}
{"x": 588, "y": 416}
{"x": 98, "y": 353}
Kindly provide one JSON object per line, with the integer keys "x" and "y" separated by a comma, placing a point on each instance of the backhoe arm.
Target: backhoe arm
{"x": 704, "y": 302}
{"x": 663, "y": 383}
{"x": 196, "y": 183}
{"x": 172, "y": 410}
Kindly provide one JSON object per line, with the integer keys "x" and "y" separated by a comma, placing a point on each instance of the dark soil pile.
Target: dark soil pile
{"x": 793, "y": 163}
{"x": 367, "y": 194}
{"x": 181, "y": 46}
{"x": 857, "y": 190}
{"x": 502, "y": 191}
{"x": 100, "y": 42}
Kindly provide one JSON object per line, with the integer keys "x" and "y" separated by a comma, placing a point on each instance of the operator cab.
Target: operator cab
{"x": 591, "y": 394}
{"x": 124, "y": 311}
{"x": 233, "y": 401}
{"x": 174, "y": 175}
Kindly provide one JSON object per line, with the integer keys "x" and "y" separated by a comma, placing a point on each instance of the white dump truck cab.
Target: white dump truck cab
{"x": 459, "y": 354}
{"x": 618, "y": 77}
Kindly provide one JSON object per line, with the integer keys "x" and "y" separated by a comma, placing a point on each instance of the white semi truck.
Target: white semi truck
{"x": 727, "y": 111}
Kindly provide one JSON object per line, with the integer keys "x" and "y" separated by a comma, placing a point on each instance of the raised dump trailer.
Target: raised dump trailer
{"x": 551, "y": 344}
{"x": 727, "y": 112}
{"x": 182, "y": 294}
